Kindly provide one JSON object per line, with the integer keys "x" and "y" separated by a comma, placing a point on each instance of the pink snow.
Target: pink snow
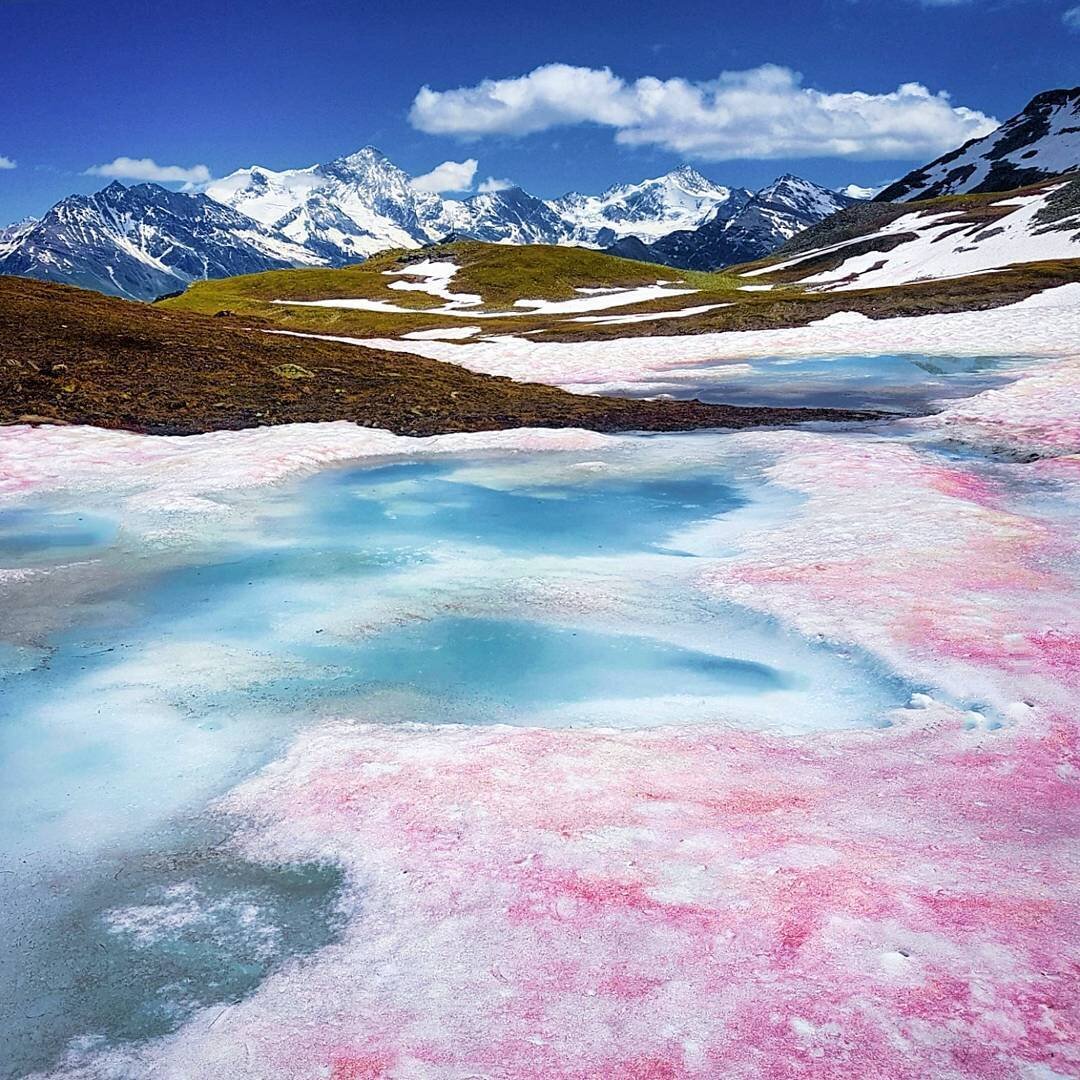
{"x": 678, "y": 903}
{"x": 925, "y": 564}
{"x": 692, "y": 902}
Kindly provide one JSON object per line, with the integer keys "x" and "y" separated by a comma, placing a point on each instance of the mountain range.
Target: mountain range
{"x": 750, "y": 230}
{"x": 145, "y": 241}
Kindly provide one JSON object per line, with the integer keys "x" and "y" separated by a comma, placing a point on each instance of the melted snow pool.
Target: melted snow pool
{"x": 551, "y": 591}
{"x": 34, "y": 535}
{"x": 901, "y": 383}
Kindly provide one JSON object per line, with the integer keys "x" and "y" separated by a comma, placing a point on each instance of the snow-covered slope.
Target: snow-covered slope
{"x": 345, "y": 210}
{"x": 1038, "y": 143}
{"x": 762, "y": 224}
{"x": 511, "y": 216}
{"x": 143, "y": 241}
{"x": 11, "y": 235}
{"x": 928, "y": 243}
{"x": 682, "y": 199}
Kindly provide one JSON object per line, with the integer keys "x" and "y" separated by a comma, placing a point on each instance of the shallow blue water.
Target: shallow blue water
{"x": 427, "y": 500}
{"x": 222, "y": 658}
{"x": 384, "y": 594}
{"x": 541, "y": 665}
{"x": 30, "y": 536}
{"x": 901, "y": 382}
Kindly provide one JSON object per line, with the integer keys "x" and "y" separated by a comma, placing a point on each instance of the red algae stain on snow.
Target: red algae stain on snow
{"x": 706, "y": 902}
{"x": 619, "y": 904}
{"x": 962, "y": 484}
{"x": 926, "y": 565}
{"x": 361, "y": 1067}
{"x": 1059, "y": 651}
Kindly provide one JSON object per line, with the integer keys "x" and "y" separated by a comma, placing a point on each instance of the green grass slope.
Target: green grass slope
{"x": 503, "y": 274}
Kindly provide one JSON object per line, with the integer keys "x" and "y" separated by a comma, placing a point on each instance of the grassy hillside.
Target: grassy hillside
{"x": 71, "y": 356}
{"x": 502, "y": 274}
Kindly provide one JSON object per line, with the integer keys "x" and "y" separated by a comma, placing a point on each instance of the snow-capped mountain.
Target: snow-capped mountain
{"x": 762, "y": 224}
{"x": 880, "y": 245}
{"x": 510, "y": 216}
{"x": 682, "y": 199}
{"x": 1038, "y": 143}
{"x": 363, "y": 203}
{"x": 345, "y": 210}
{"x": 10, "y": 235}
{"x": 143, "y": 241}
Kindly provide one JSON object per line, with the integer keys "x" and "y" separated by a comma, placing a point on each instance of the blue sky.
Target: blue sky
{"x": 282, "y": 84}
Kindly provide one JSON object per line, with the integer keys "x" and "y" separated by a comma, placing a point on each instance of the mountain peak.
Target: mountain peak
{"x": 366, "y": 166}
{"x": 801, "y": 199}
{"x": 1041, "y": 141}
{"x": 366, "y": 155}
{"x": 144, "y": 240}
{"x": 687, "y": 172}
{"x": 1054, "y": 99}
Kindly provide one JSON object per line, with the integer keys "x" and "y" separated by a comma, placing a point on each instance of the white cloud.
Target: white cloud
{"x": 494, "y": 183}
{"x": 6, "y": 162}
{"x": 1071, "y": 18}
{"x": 764, "y": 112}
{"x": 125, "y": 168}
{"x": 449, "y": 176}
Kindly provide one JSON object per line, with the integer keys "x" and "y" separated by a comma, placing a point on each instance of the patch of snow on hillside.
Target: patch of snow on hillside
{"x": 597, "y": 301}
{"x": 940, "y": 251}
{"x": 446, "y": 333}
{"x": 435, "y": 280}
{"x": 646, "y": 316}
{"x": 1046, "y": 325}
{"x": 462, "y": 305}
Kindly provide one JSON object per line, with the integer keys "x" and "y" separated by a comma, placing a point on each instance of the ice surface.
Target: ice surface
{"x": 128, "y": 953}
{"x": 905, "y": 383}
